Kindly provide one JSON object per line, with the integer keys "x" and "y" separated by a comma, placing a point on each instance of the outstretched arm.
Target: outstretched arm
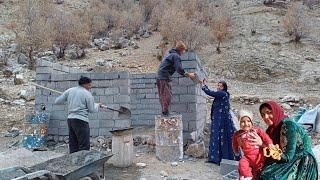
{"x": 213, "y": 93}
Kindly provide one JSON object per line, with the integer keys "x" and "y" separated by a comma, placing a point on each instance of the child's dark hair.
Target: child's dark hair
{"x": 84, "y": 80}
{"x": 264, "y": 105}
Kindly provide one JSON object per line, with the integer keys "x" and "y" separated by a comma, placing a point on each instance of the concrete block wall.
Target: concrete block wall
{"x": 138, "y": 92}
{"x": 187, "y": 98}
{"x": 111, "y": 89}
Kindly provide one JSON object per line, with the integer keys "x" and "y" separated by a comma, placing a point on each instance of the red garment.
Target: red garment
{"x": 164, "y": 90}
{"x": 278, "y": 115}
{"x": 252, "y": 161}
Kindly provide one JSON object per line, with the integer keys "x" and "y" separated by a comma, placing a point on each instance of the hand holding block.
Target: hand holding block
{"x": 200, "y": 75}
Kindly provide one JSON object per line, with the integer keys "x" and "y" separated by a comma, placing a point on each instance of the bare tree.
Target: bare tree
{"x": 32, "y": 27}
{"x": 295, "y": 22}
{"x": 131, "y": 20}
{"x": 220, "y": 24}
{"x": 192, "y": 33}
{"x": 68, "y": 29}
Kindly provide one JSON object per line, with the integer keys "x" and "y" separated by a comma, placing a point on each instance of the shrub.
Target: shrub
{"x": 32, "y": 27}
{"x": 295, "y": 22}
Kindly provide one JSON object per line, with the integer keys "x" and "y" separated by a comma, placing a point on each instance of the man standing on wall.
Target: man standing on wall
{"x": 80, "y": 103}
{"x": 169, "y": 65}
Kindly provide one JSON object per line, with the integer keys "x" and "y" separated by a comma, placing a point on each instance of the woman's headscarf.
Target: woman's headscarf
{"x": 225, "y": 87}
{"x": 278, "y": 115}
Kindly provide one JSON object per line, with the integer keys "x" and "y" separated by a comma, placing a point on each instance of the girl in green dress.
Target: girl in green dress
{"x": 297, "y": 161}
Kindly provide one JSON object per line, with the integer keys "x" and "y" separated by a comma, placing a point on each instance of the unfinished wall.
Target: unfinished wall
{"x": 138, "y": 92}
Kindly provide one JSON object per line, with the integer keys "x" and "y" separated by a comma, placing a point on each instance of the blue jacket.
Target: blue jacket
{"x": 170, "y": 64}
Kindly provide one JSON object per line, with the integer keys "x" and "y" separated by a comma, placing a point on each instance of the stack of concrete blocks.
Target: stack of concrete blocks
{"x": 111, "y": 89}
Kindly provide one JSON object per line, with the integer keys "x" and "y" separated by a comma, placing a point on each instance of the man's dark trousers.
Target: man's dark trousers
{"x": 79, "y": 135}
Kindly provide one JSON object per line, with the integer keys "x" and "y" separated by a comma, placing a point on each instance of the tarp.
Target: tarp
{"x": 311, "y": 117}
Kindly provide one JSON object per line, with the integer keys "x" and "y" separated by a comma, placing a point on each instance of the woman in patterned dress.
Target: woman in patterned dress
{"x": 297, "y": 161}
{"x": 222, "y": 127}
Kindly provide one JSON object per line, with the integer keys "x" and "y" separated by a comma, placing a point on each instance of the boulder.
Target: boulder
{"x": 196, "y": 150}
{"x": 23, "y": 59}
{"x": 18, "y": 79}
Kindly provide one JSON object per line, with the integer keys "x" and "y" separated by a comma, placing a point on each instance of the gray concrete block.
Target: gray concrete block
{"x": 151, "y": 96}
{"x": 147, "y": 101}
{"x": 41, "y": 99}
{"x": 105, "y": 132}
{"x": 150, "y": 75}
{"x": 106, "y": 115}
{"x": 63, "y": 124}
{"x": 57, "y": 77}
{"x": 175, "y": 99}
{"x": 175, "y": 82}
{"x": 120, "y": 82}
{"x": 226, "y": 166}
{"x": 43, "y": 70}
{"x": 98, "y": 76}
{"x": 179, "y": 90}
{"x": 137, "y": 76}
{"x": 62, "y": 85}
{"x": 94, "y": 123}
{"x": 193, "y": 89}
{"x": 70, "y": 77}
{"x": 54, "y": 123}
{"x": 96, "y": 98}
{"x": 106, "y": 123}
{"x": 193, "y": 107}
{"x": 189, "y": 64}
{"x": 185, "y": 82}
{"x": 189, "y": 56}
{"x": 112, "y": 75}
{"x": 43, "y": 77}
{"x": 93, "y": 116}
{"x": 124, "y": 90}
{"x": 63, "y": 131}
{"x": 53, "y": 131}
{"x": 111, "y": 91}
{"x": 140, "y": 122}
{"x": 97, "y": 91}
{"x": 151, "y": 85}
{"x": 143, "y": 117}
{"x": 44, "y": 63}
{"x": 58, "y": 107}
{"x": 103, "y": 83}
{"x": 189, "y": 117}
{"x": 122, "y": 123}
{"x": 192, "y": 125}
{"x": 137, "y": 86}
{"x": 121, "y": 99}
{"x": 106, "y": 99}
{"x": 94, "y": 132}
{"x": 179, "y": 108}
{"x": 57, "y": 66}
{"x": 65, "y": 69}
{"x": 135, "y": 100}
{"x": 59, "y": 115}
{"x": 201, "y": 99}
{"x": 187, "y": 98}
{"x": 124, "y": 75}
